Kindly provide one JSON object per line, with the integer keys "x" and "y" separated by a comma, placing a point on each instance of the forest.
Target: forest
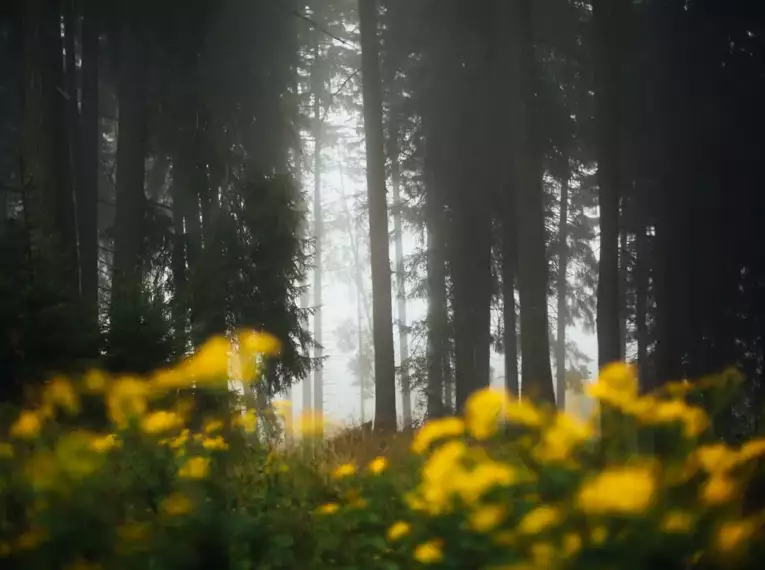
{"x": 525, "y": 172}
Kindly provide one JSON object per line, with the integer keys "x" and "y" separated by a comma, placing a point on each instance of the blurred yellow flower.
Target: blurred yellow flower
{"x": 524, "y": 413}
{"x": 216, "y": 443}
{"x": 210, "y": 363}
{"x": 60, "y": 392}
{"x": 487, "y": 475}
{"x": 6, "y": 450}
{"x": 181, "y": 440}
{"x": 76, "y": 456}
{"x": 160, "y": 421}
{"x": 435, "y": 430}
{"x": 213, "y": 426}
{"x": 177, "y": 504}
{"x": 717, "y": 458}
{"x": 328, "y": 509}
{"x": 397, "y": 530}
{"x": 429, "y": 552}
{"x": 41, "y": 471}
{"x": 483, "y": 411}
{"x": 132, "y": 535}
{"x": 126, "y": 398}
{"x": 169, "y": 379}
{"x": 542, "y": 554}
{"x": 558, "y": 441}
{"x": 620, "y": 377}
{"x": 623, "y": 490}
{"x": 752, "y": 449}
{"x": 248, "y": 421}
{"x": 718, "y": 490}
{"x": 378, "y": 465}
{"x": 195, "y": 468}
{"x": 732, "y": 534}
{"x": 487, "y": 517}
{"x": 345, "y": 470}
{"x": 571, "y": 544}
{"x": 598, "y": 535}
{"x": 310, "y": 423}
{"x": 253, "y": 342}
{"x": 539, "y": 520}
{"x": 104, "y": 443}
{"x": 95, "y": 381}
{"x": 677, "y": 522}
{"x": 30, "y": 539}
{"x": 27, "y": 425}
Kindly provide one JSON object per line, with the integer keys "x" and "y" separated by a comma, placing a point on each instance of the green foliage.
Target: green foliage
{"x": 545, "y": 493}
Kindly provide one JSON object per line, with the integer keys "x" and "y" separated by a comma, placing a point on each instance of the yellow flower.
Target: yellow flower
{"x": 328, "y": 509}
{"x": 42, "y": 472}
{"x": 6, "y": 450}
{"x": 27, "y": 425}
{"x": 210, "y": 363}
{"x": 731, "y": 534}
{"x": 542, "y": 554}
{"x": 213, "y": 426}
{"x": 561, "y": 438}
{"x": 523, "y": 412}
{"x": 252, "y": 342}
{"x": 620, "y": 377}
{"x": 486, "y": 518}
{"x": 483, "y": 410}
{"x": 216, "y": 443}
{"x": 539, "y": 520}
{"x": 397, "y": 530}
{"x": 718, "y": 489}
{"x": 677, "y": 522}
{"x": 60, "y": 392}
{"x": 435, "y": 430}
{"x": 195, "y": 468}
{"x": 716, "y": 458}
{"x": 30, "y": 539}
{"x": 572, "y": 544}
{"x": 483, "y": 478}
{"x": 160, "y": 421}
{"x": 180, "y": 440}
{"x": 95, "y": 381}
{"x": 104, "y": 443}
{"x": 752, "y": 449}
{"x": 170, "y": 379}
{"x": 429, "y": 552}
{"x": 345, "y": 470}
{"x": 622, "y": 490}
{"x": 75, "y": 455}
{"x": 126, "y": 398}
{"x": 599, "y": 535}
{"x": 248, "y": 421}
{"x": 177, "y": 504}
{"x": 378, "y": 465}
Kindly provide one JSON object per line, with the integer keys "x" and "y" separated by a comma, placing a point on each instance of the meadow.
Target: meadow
{"x": 506, "y": 485}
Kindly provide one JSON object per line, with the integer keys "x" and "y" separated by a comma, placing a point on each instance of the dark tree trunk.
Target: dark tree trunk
{"x": 437, "y": 317}
{"x": 131, "y": 154}
{"x": 562, "y": 290}
{"x": 641, "y": 302}
{"x": 90, "y": 132}
{"x": 385, "y": 373}
{"x": 509, "y": 317}
{"x": 607, "y": 16}
{"x": 527, "y": 180}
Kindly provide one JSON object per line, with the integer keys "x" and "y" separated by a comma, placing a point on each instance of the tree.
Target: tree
{"x": 385, "y": 379}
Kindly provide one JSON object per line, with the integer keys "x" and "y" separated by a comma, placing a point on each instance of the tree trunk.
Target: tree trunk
{"x": 438, "y": 391}
{"x": 510, "y": 329}
{"x": 560, "y": 349}
{"x": 317, "y": 86}
{"x": 46, "y": 169}
{"x": 90, "y": 131}
{"x": 527, "y": 181}
{"x": 403, "y": 330}
{"x": 131, "y": 153}
{"x": 641, "y": 303}
{"x": 608, "y": 27}
{"x": 385, "y": 373}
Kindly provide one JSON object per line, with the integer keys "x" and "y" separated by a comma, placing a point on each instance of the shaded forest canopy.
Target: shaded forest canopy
{"x": 565, "y": 164}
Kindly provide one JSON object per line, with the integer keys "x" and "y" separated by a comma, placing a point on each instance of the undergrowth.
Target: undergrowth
{"x": 508, "y": 485}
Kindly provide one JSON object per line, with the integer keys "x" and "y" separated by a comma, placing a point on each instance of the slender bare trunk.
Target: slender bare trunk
{"x": 385, "y": 368}
{"x": 560, "y": 349}
{"x": 317, "y": 86}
